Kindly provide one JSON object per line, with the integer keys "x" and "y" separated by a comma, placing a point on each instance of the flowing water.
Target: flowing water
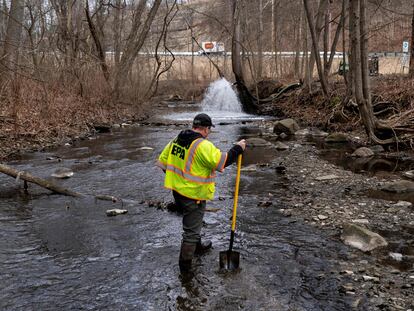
{"x": 61, "y": 253}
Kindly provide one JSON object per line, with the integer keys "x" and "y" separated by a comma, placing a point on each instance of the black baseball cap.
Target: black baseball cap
{"x": 202, "y": 119}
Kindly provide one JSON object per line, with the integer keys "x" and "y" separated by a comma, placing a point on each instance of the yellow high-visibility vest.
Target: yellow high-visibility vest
{"x": 191, "y": 171}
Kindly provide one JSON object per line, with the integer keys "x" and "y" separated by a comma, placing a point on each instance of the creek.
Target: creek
{"x": 61, "y": 253}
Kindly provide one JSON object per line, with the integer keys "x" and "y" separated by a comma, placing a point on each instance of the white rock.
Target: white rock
{"x": 250, "y": 168}
{"x": 115, "y": 212}
{"x": 403, "y": 204}
{"x": 361, "y": 221}
{"x": 409, "y": 174}
{"x": 396, "y": 256}
{"x": 62, "y": 173}
{"x": 362, "y": 238}
{"x": 370, "y": 278}
{"x": 322, "y": 217}
{"x": 146, "y": 148}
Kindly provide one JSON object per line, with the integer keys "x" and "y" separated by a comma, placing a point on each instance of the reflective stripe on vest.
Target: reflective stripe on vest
{"x": 186, "y": 173}
{"x": 191, "y": 154}
{"x": 192, "y": 178}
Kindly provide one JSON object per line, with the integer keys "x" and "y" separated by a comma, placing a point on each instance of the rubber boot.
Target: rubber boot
{"x": 203, "y": 247}
{"x": 186, "y": 257}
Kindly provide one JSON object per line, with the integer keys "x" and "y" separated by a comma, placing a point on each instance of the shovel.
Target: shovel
{"x": 229, "y": 259}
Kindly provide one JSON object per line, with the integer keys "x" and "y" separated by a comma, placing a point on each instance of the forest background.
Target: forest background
{"x": 66, "y": 66}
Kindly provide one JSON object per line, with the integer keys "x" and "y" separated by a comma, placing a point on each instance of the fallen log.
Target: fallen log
{"x": 38, "y": 181}
{"x": 26, "y": 177}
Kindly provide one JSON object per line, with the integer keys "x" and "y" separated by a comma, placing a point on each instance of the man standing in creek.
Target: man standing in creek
{"x": 189, "y": 162}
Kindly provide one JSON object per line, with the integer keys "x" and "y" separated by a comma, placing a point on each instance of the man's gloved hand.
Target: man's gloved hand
{"x": 242, "y": 144}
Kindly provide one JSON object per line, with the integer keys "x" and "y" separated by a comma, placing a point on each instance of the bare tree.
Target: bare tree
{"x": 245, "y": 97}
{"x": 411, "y": 70}
{"x": 135, "y": 41}
{"x": 315, "y": 48}
{"x": 98, "y": 42}
{"x": 316, "y": 29}
{"x": 12, "y": 43}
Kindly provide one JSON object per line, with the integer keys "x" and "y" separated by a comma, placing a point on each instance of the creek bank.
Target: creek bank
{"x": 331, "y": 198}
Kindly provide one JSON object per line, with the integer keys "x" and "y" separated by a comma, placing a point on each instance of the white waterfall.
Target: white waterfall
{"x": 220, "y": 96}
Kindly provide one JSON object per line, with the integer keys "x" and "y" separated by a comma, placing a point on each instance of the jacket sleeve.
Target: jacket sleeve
{"x": 232, "y": 154}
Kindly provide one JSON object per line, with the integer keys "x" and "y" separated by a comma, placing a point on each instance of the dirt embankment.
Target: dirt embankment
{"x": 391, "y": 96}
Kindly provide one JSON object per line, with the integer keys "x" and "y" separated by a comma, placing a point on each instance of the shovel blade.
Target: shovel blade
{"x": 229, "y": 260}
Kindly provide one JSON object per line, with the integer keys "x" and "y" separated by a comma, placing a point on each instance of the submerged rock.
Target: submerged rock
{"x": 337, "y": 138}
{"x": 311, "y": 133}
{"x": 363, "y": 152}
{"x": 362, "y": 238}
{"x": 281, "y": 146}
{"x": 63, "y": 173}
{"x": 256, "y": 142}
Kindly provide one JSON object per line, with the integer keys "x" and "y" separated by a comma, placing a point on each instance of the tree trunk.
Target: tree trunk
{"x": 323, "y": 5}
{"x": 10, "y": 55}
{"x": 135, "y": 42}
{"x": 364, "y": 54}
{"x": 260, "y": 43}
{"x": 335, "y": 41}
{"x": 274, "y": 35}
{"x": 315, "y": 49}
{"x": 3, "y": 20}
{"x": 411, "y": 70}
{"x": 298, "y": 33}
{"x": 98, "y": 45}
{"x": 326, "y": 36}
{"x": 117, "y": 32}
{"x": 359, "y": 66}
{"x": 244, "y": 95}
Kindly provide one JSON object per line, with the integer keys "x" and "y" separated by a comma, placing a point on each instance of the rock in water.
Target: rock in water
{"x": 361, "y": 238}
{"x": 63, "y": 173}
{"x": 409, "y": 174}
{"x": 287, "y": 126}
{"x": 115, "y": 212}
{"x": 363, "y": 152}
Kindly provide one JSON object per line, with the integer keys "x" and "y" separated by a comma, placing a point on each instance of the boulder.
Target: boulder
{"x": 363, "y": 152}
{"x": 287, "y": 126}
{"x": 362, "y": 238}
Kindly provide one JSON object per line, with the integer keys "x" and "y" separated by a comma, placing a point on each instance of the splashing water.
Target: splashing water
{"x": 220, "y": 96}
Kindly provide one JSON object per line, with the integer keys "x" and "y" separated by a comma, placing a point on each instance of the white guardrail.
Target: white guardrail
{"x": 281, "y": 54}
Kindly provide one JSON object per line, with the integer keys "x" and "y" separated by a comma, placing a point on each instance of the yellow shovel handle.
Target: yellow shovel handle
{"x": 236, "y": 193}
